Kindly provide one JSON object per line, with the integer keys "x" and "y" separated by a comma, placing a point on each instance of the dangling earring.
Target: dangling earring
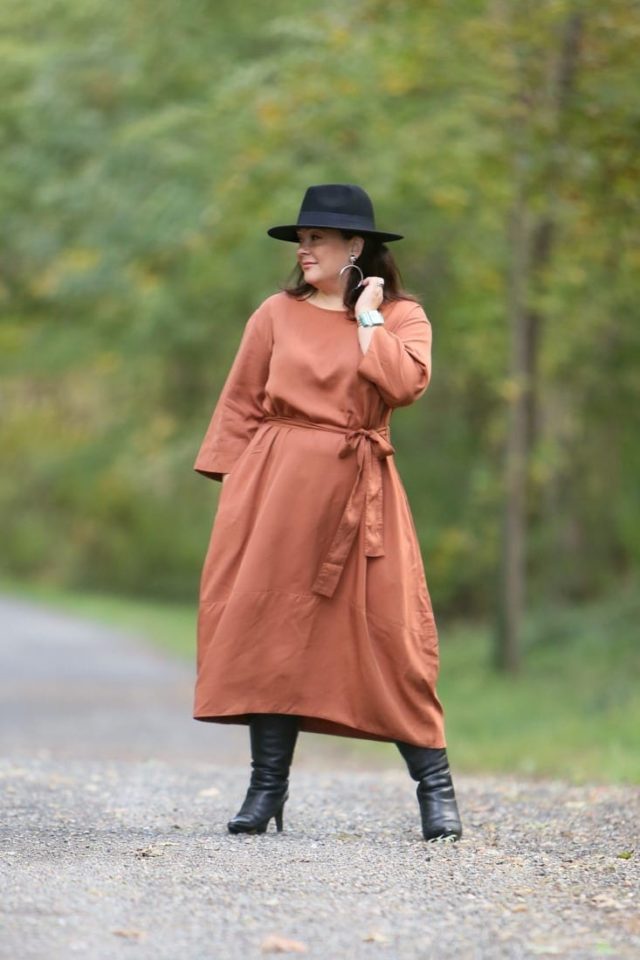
{"x": 352, "y": 265}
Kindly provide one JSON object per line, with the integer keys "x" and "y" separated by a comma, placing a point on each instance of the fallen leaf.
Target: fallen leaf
{"x": 149, "y": 851}
{"x": 606, "y": 902}
{"x": 375, "y": 937}
{"x": 57, "y": 779}
{"x": 605, "y": 949}
{"x": 625, "y": 855}
{"x": 154, "y": 849}
{"x": 277, "y": 944}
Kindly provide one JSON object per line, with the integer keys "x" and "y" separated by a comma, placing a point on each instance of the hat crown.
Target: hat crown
{"x": 341, "y": 199}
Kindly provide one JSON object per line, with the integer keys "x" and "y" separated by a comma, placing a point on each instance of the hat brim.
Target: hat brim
{"x": 290, "y": 232}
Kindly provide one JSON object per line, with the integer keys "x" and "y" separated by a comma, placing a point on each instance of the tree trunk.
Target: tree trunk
{"x": 531, "y": 245}
{"x": 512, "y": 573}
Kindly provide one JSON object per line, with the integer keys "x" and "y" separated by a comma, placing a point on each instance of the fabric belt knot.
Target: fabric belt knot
{"x": 377, "y": 436}
{"x": 370, "y": 446}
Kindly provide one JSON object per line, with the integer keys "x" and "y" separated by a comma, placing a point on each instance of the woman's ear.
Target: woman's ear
{"x": 357, "y": 246}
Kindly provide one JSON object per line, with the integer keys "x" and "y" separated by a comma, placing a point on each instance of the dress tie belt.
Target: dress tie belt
{"x": 371, "y": 446}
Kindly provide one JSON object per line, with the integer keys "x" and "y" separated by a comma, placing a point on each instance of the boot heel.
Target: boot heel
{"x": 279, "y": 819}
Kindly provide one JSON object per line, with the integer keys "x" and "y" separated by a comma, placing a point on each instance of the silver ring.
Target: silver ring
{"x": 381, "y": 283}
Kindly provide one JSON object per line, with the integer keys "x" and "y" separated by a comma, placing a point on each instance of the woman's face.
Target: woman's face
{"x": 322, "y": 253}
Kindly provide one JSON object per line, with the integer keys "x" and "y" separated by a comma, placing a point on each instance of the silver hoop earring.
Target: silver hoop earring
{"x": 352, "y": 265}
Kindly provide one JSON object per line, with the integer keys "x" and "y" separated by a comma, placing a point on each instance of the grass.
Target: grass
{"x": 573, "y": 712}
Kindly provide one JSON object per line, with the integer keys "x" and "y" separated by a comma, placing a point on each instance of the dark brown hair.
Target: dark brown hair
{"x": 375, "y": 261}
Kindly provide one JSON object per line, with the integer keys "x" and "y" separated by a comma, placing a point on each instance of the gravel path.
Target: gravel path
{"x": 113, "y": 841}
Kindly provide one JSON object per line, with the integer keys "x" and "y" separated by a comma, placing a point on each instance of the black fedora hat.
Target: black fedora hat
{"x": 341, "y": 206}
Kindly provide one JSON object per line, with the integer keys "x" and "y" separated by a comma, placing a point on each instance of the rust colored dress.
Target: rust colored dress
{"x": 313, "y": 596}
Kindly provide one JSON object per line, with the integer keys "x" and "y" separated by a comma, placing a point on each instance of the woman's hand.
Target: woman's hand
{"x": 372, "y": 295}
{"x": 370, "y": 299}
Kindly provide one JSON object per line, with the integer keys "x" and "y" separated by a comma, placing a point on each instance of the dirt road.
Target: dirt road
{"x": 113, "y": 841}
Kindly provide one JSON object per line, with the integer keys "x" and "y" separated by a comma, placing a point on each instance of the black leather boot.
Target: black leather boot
{"x": 436, "y": 796}
{"x": 273, "y": 739}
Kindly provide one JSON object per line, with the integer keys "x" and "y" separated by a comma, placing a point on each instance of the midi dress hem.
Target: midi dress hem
{"x": 322, "y": 725}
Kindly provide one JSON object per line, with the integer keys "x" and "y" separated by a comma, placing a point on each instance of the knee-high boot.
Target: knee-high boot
{"x": 273, "y": 740}
{"x": 436, "y": 796}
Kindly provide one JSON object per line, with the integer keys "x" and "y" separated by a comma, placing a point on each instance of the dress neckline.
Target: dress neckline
{"x": 324, "y": 309}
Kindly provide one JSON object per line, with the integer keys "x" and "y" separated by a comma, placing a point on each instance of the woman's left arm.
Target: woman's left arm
{"x": 398, "y": 362}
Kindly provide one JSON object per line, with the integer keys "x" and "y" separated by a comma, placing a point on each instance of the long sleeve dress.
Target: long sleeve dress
{"x": 313, "y": 596}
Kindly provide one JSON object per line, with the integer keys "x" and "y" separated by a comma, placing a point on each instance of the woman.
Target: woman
{"x": 314, "y": 611}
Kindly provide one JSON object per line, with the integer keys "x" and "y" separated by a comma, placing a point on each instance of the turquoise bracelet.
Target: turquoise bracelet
{"x": 370, "y": 318}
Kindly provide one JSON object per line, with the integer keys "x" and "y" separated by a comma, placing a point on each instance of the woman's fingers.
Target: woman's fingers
{"x": 372, "y": 294}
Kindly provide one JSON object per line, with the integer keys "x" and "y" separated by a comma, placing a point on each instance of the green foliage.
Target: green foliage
{"x": 146, "y": 150}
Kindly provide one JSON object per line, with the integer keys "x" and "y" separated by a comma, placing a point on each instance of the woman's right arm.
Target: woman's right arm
{"x": 239, "y": 409}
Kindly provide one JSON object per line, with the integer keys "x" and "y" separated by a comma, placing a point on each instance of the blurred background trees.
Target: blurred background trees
{"x": 147, "y": 148}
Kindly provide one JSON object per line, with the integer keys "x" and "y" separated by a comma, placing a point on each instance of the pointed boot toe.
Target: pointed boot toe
{"x": 257, "y": 810}
{"x": 438, "y": 812}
